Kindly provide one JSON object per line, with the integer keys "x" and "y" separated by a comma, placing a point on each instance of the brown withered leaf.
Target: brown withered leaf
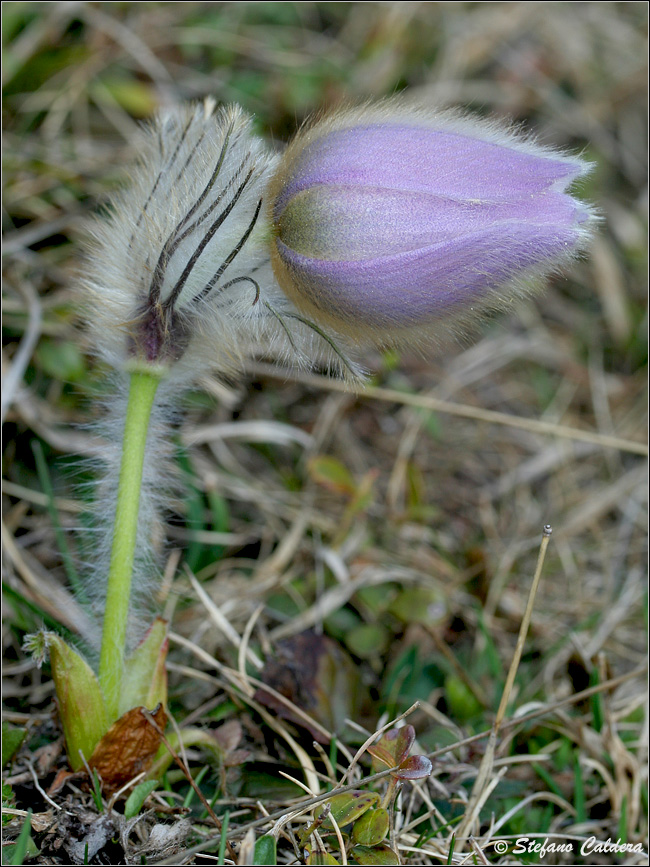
{"x": 228, "y": 735}
{"x": 62, "y": 777}
{"x": 314, "y": 673}
{"x": 45, "y": 757}
{"x": 128, "y": 747}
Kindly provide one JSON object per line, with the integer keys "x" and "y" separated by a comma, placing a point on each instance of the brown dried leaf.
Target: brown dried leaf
{"x": 236, "y": 757}
{"x": 62, "y": 777}
{"x": 228, "y": 735}
{"x": 45, "y": 757}
{"x": 314, "y": 673}
{"x": 128, "y": 747}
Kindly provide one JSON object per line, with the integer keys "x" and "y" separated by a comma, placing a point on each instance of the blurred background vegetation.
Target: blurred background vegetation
{"x": 407, "y": 537}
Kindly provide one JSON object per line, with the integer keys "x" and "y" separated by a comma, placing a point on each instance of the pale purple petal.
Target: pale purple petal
{"x": 425, "y": 160}
{"x": 428, "y": 282}
{"x": 336, "y": 222}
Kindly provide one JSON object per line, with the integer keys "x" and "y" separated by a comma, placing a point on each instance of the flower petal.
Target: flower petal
{"x": 428, "y": 283}
{"x": 416, "y": 159}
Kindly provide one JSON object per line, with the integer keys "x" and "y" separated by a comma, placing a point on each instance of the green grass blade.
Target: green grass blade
{"x": 20, "y": 850}
{"x": 544, "y": 775}
{"x": 622, "y": 824}
{"x": 596, "y": 702}
{"x": 452, "y": 846}
{"x": 192, "y": 793}
{"x": 579, "y": 792}
{"x": 224, "y": 838}
{"x": 61, "y": 541}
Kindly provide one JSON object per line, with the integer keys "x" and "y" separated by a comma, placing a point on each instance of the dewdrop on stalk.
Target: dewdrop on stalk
{"x": 395, "y": 224}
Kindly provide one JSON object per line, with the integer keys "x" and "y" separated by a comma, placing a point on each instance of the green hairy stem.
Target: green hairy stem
{"x": 142, "y": 393}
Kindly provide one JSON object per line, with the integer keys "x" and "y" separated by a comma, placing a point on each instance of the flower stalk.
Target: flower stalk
{"x": 142, "y": 393}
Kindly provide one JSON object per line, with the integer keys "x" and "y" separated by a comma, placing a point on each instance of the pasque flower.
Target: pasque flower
{"x": 381, "y": 223}
{"x": 392, "y": 223}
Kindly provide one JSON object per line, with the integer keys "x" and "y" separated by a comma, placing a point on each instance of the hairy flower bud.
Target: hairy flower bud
{"x": 170, "y": 272}
{"x": 390, "y": 222}
{"x": 178, "y": 277}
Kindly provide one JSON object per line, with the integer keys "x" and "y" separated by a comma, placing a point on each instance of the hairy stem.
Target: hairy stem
{"x": 111, "y": 662}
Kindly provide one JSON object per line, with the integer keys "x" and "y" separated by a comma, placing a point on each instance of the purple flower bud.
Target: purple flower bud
{"x": 389, "y": 221}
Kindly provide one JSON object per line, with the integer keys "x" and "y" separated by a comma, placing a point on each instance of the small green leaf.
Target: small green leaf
{"x": 61, "y": 359}
{"x": 332, "y": 474}
{"x": 321, "y": 858}
{"x": 420, "y": 604}
{"x": 182, "y": 739}
{"x": 368, "y": 641}
{"x": 135, "y": 97}
{"x": 371, "y": 828}
{"x": 462, "y": 703}
{"x": 265, "y": 851}
{"x": 348, "y": 806}
{"x": 11, "y": 741}
{"x": 363, "y": 496}
{"x": 382, "y": 855}
{"x": 8, "y": 800}
{"x": 376, "y": 598}
{"x": 137, "y": 798}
